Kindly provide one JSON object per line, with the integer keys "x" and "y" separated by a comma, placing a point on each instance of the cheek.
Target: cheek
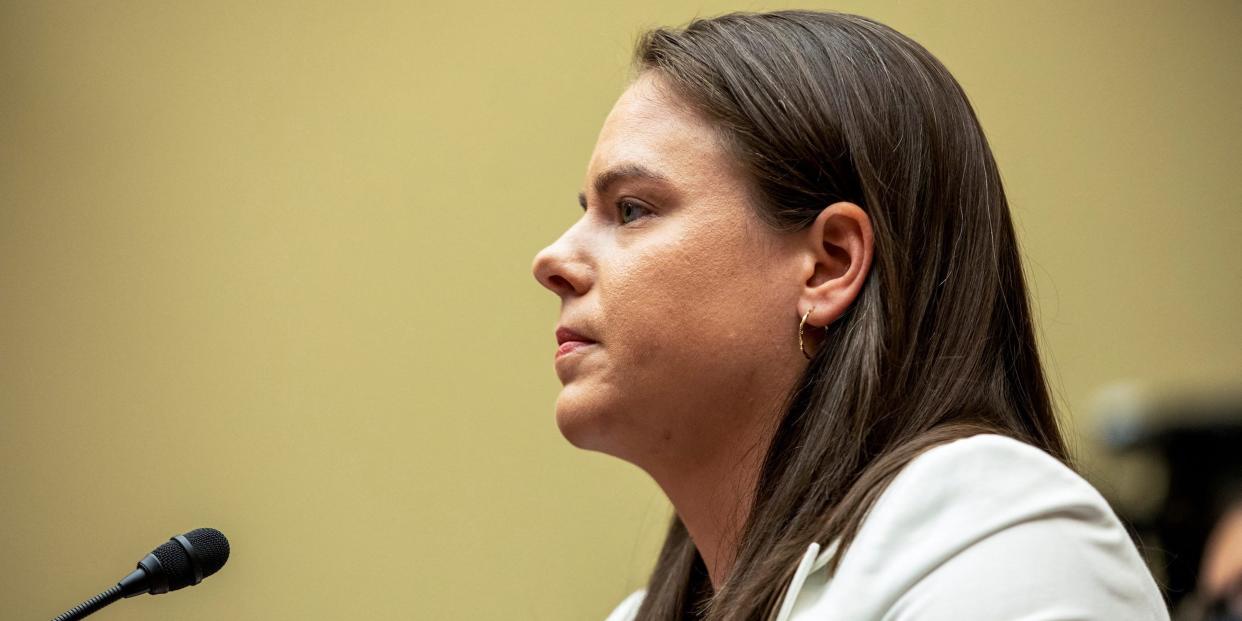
{"x": 693, "y": 320}
{"x": 690, "y": 332}
{"x": 656, "y": 306}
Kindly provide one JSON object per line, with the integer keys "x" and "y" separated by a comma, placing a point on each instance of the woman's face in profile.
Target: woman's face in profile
{"x": 691, "y": 300}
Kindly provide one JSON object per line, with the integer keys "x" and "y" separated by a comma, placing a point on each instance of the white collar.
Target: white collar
{"x": 812, "y": 561}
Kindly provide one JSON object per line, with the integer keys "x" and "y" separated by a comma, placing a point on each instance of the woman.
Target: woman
{"x": 795, "y": 300}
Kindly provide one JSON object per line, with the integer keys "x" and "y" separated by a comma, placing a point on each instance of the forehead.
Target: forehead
{"x": 650, "y": 126}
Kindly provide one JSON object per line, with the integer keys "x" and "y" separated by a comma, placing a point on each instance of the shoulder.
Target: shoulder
{"x": 957, "y": 494}
{"x": 990, "y": 527}
{"x": 994, "y": 480}
{"x": 628, "y": 608}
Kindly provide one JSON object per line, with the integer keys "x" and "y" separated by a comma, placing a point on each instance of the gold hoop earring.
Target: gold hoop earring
{"x": 800, "y": 327}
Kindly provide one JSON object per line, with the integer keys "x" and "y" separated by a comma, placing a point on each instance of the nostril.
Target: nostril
{"x": 561, "y": 277}
{"x": 559, "y": 284}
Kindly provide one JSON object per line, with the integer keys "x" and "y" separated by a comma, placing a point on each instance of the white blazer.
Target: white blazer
{"x": 985, "y": 528}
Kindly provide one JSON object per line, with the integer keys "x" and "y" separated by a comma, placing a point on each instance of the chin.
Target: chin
{"x": 581, "y": 424}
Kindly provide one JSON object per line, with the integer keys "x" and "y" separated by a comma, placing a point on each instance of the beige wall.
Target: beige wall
{"x": 268, "y": 270}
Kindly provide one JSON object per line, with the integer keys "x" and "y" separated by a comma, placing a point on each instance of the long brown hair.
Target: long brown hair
{"x": 823, "y": 107}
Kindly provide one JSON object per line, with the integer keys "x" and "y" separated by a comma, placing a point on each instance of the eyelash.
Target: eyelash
{"x": 624, "y": 203}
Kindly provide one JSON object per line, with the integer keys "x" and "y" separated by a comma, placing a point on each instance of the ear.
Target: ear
{"x": 838, "y": 259}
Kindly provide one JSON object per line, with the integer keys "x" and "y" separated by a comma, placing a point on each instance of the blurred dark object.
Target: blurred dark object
{"x": 1198, "y": 440}
{"x": 1200, "y": 607}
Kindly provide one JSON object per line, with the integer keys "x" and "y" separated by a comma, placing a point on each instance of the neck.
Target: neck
{"x": 713, "y": 494}
{"x": 709, "y": 472}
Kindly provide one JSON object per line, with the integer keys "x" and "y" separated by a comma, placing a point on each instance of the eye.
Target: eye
{"x": 627, "y": 206}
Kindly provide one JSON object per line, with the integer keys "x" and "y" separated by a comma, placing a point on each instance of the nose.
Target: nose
{"x": 561, "y": 269}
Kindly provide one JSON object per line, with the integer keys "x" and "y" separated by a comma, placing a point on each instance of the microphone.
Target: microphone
{"x": 181, "y": 561}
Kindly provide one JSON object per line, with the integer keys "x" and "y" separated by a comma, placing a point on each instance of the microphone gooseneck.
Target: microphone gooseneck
{"x": 92, "y": 605}
{"x": 184, "y": 560}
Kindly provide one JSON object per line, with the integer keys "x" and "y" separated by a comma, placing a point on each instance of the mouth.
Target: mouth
{"x": 568, "y": 347}
{"x": 567, "y": 338}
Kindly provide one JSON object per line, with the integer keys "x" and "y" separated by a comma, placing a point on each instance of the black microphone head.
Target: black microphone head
{"x": 175, "y": 564}
{"x": 187, "y": 559}
{"x": 212, "y": 548}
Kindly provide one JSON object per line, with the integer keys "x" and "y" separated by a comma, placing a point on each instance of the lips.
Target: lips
{"x": 568, "y": 340}
{"x": 570, "y": 346}
{"x": 565, "y": 335}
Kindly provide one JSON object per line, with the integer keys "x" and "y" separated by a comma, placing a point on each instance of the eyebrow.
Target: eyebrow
{"x": 605, "y": 180}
